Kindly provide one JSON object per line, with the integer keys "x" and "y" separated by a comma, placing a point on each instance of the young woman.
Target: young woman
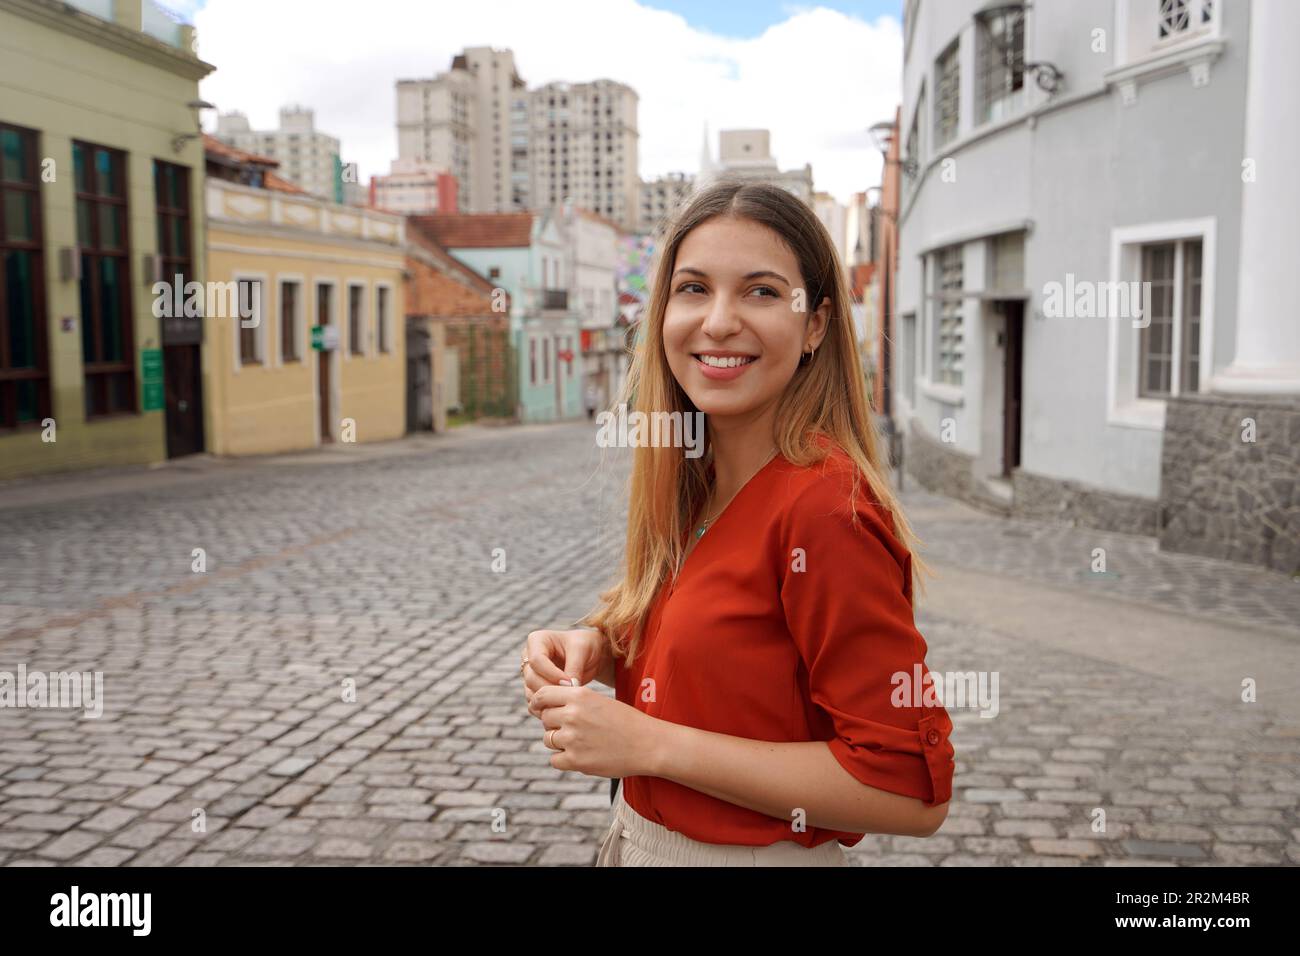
{"x": 770, "y": 684}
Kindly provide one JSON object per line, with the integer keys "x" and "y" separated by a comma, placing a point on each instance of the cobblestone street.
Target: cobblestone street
{"x": 373, "y": 568}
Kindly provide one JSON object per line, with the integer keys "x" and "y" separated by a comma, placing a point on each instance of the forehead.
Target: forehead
{"x": 729, "y": 245}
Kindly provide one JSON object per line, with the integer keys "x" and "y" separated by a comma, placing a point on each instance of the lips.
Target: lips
{"x": 723, "y": 366}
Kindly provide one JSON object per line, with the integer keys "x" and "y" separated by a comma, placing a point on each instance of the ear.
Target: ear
{"x": 818, "y": 323}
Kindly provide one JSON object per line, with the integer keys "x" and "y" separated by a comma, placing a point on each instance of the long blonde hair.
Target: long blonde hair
{"x": 827, "y": 397}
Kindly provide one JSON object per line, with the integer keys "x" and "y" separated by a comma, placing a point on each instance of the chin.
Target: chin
{"x": 721, "y": 406}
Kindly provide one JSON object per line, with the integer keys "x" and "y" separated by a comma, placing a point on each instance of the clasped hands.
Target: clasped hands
{"x": 588, "y": 731}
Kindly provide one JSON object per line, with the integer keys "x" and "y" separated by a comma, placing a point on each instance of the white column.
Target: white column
{"x": 1268, "y": 316}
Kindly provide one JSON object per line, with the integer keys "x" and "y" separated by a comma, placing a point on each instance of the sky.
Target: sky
{"x": 816, "y": 75}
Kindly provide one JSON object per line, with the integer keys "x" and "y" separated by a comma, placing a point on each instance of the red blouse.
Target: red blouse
{"x": 786, "y": 623}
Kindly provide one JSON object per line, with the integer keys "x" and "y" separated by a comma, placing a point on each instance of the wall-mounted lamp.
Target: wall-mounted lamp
{"x": 1012, "y": 17}
{"x": 181, "y": 140}
{"x": 882, "y": 136}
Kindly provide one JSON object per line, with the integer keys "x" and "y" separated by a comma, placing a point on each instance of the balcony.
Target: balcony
{"x": 555, "y": 299}
{"x": 144, "y": 16}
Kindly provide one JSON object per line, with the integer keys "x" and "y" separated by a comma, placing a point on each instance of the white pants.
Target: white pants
{"x": 632, "y": 840}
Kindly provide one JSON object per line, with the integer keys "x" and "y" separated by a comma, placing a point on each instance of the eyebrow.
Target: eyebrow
{"x": 761, "y": 273}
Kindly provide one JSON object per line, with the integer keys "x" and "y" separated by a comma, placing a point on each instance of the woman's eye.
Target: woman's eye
{"x": 688, "y": 286}
{"x": 768, "y": 288}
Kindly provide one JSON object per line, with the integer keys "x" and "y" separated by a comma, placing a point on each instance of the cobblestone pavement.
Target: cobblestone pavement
{"x": 224, "y": 691}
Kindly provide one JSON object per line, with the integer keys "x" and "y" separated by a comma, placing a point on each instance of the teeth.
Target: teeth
{"x": 730, "y": 362}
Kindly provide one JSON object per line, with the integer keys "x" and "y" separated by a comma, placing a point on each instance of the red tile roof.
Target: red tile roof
{"x": 455, "y": 230}
{"x": 215, "y": 147}
{"x": 418, "y": 236}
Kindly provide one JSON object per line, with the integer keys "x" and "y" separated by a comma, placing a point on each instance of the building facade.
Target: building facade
{"x": 414, "y": 188}
{"x": 747, "y": 154}
{"x": 465, "y": 322}
{"x": 583, "y": 147}
{"x": 306, "y": 344}
{"x": 100, "y": 197}
{"x": 529, "y": 257}
{"x": 595, "y": 246}
{"x": 1094, "y": 248}
{"x": 468, "y": 120}
{"x": 514, "y": 149}
{"x": 308, "y": 157}
{"x": 661, "y": 197}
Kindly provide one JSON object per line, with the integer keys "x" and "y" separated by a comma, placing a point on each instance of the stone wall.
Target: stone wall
{"x": 1224, "y": 496}
{"x": 1054, "y": 499}
{"x": 940, "y": 468}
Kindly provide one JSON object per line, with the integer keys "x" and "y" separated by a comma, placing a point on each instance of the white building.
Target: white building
{"x": 661, "y": 197}
{"x": 414, "y": 187}
{"x": 861, "y": 224}
{"x": 747, "y": 154}
{"x": 593, "y": 293}
{"x": 834, "y": 216}
{"x": 515, "y": 149}
{"x": 468, "y": 120}
{"x": 583, "y": 145}
{"x": 308, "y": 158}
{"x": 1052, "y": 157}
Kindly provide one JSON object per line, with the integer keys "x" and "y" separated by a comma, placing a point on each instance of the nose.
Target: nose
{"x": 723, "y": 318}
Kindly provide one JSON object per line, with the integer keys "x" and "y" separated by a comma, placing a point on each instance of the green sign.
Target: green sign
{"x": 151, "y": 379}
{"x": 324, "y": 338}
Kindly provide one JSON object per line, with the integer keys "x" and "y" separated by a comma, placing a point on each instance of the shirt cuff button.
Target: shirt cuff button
{"x": 932, "y": 737}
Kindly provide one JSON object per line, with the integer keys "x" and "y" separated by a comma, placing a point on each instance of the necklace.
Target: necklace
{"x": 699, "y": 532}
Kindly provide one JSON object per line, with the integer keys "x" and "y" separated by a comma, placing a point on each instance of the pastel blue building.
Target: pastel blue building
{"x": 527, "y": 255}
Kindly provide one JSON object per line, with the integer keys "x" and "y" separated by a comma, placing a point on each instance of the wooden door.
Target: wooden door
{"x": 1014, "y": 314}
{"x": 325, "y": 318}
{"x": 183, "y": 391}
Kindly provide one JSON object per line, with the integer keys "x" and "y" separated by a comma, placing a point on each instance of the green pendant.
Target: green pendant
{"x": 700, "y": 531}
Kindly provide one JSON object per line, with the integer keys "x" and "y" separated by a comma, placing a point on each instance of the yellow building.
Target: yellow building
{"x": 286, "y": 272}
{"x": 101, "y": 187}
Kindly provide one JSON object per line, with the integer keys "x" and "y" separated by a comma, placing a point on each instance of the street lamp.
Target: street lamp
{"x": 180, "y": 140}
{"x": 882, "y": 136}
{"x": 1012, "y": 17}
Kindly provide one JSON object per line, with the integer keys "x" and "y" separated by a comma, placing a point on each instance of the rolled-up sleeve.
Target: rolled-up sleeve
{"x": 847, "y": 600}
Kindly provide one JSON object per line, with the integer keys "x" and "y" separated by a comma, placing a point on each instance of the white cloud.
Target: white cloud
{"x": 816, "y": 80}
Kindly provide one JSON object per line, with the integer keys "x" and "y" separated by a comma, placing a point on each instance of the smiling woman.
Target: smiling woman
{"x": 764, "y": 608}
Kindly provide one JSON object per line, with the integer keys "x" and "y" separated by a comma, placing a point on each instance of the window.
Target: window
{"x": 947, "y": 90}
{"x": 289, "y": 292}
{"x": 532, "y": 361}
{"x": 948, "y": 325}
{"x": 546, "y": 359}
{"x": 1170, "y": 345}
{"x": 381, "y": 317}
{"x": 24, "y": 361}
{"x": 356, "y": 342}
{"x": 250, "y": 321}
{"x": 568, "y": 347}
{"x": 1177, "y": 19}
{"x": 1001, "y": 63}
{"x": 171, "y": 187}
{"x": 107, "y": 341}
